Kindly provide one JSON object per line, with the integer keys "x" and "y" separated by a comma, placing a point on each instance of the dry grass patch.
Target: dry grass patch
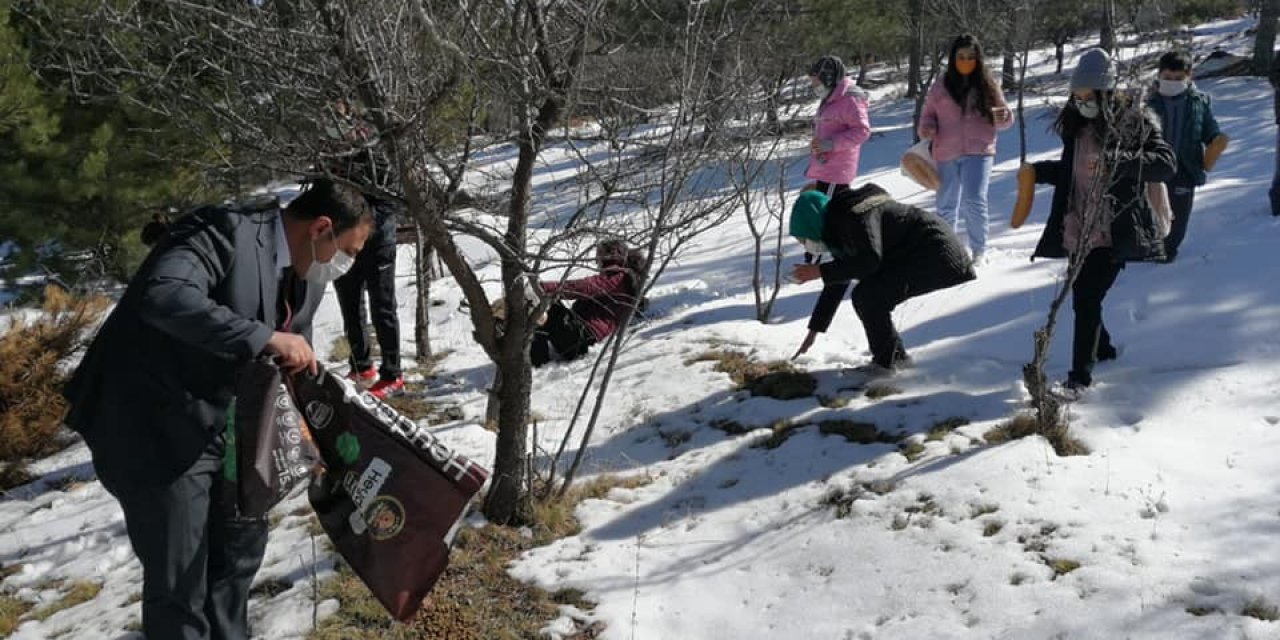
{"x": 270, "y": 588}
{"x": 476, "y": 598}
{"x": 980, "y": 510}
{"x": 1061, "y": 566}
{"x": 912, "y": 451}
{"x": 944, "y": 428}
{"x": 841, "y": 501}
{"x": 775, "y": 379}
{"x": 856, "y": 432}
{"x": 12, "y": 610}
{"x": 882, "y": 390}
{"x": 731, "y": 427}
{"x": 1261, "y": 609}
{"x": 79, "y": 593}
{"x": 340, "y": 349}
{"x": 31, "y": 379}
{"x": 782, "y": 431}
{"x": 1025, "y": 424}
{"x": 1203, "y": 611}
{"x": 415, "y": 402}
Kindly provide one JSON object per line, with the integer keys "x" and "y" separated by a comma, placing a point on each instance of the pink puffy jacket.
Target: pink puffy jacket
{"x": 840, "y": 128}
{"x": 958, "y": 133}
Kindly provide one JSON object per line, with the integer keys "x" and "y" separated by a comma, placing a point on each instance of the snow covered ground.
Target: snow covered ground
{"x": 1176, "y": 510}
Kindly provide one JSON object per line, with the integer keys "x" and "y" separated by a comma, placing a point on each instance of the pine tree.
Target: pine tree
{"x": 78, "y": 178}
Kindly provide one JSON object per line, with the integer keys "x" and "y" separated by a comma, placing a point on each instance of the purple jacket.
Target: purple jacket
{"x": 958, "y": 133}
{"x": 840, "y": 128}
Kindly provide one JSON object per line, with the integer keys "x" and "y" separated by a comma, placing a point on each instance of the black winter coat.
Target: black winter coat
{"x": 873, "y": 236}
{"x": 153, "y": 389}
{"x": 1134, "y": 237}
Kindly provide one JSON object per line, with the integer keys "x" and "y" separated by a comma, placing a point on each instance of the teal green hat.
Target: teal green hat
{"x": 806, "y": 215}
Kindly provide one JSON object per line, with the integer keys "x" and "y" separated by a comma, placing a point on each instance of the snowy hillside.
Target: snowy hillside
{"x": 1168, "y": 529}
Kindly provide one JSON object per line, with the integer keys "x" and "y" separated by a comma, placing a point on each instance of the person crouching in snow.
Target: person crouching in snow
{"x": 895, "y": 252}
{"x": 601, "y": 302}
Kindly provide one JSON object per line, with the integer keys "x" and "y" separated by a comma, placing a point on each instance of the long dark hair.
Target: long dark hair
{"x": 979, "y": 83}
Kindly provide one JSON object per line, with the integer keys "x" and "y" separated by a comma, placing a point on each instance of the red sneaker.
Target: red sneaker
{"x": 383, "y": 389}
{"x": 363, "y": 375}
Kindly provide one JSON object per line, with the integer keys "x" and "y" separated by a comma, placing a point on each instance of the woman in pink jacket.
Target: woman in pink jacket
{"x": 839, "y": 128}
{"x": 962, "y": 114}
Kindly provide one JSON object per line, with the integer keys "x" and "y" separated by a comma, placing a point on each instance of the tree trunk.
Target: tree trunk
{"x": 1108, "y": 39}
{"x": 423, "y": 272}
{"x": 920, "y": 98}
{"x": 1008, "y": 79}
{"x": 1265, "y": 42}
{"x": 507, "y": 496}
{"x": 1059, "y": 53}
{"x": 862, "y": 69}
{"x": 915, "y": 62}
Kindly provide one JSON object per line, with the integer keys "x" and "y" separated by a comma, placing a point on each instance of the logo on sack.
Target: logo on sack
{"x": 363, "y": 489}
{"x": 385, "y": 518}
{"x": 288, "y": 420}
{"x": 282, "y": 399}
{"x": 348, "y": 448}
{"x": 319, "y": 414}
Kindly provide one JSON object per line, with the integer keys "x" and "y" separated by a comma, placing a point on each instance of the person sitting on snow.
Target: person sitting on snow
{"x": 895, "y": 252}
{"x": 600, "y": 304}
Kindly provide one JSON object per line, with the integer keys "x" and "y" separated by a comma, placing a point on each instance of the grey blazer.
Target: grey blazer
{"x": 153, "y": 389}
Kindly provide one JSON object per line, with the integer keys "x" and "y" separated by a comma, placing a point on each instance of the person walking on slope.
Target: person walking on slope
{"x": 962, "y": 115}
{"x": 839, "y": 128}
{"x": 1191, "y": 130}
{"x": 223, "y": 286}
{"x": 1109, "y": 142}
{"x": 895, "y": 252}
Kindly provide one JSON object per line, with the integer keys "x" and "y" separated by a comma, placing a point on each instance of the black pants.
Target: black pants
{"x": 563, "y": 330}
{"x": 197, "y": 564}
{"x": 1091, "y": 341}
{"x": 1275, "y": 179}
{"x": 1181, "y": 198}
{"x": 374, "y": 270}
{"x": 874, "y": 300}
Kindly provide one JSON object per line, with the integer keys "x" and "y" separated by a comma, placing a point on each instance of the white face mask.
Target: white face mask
{"x": 816, "y": 247}
{"x": 1171, "y": 88}
{"x": 1089, "y": 110}
{"x": 322, "y": 273}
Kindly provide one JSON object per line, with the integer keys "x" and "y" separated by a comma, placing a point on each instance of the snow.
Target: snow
{"x": 1175, "y": 508}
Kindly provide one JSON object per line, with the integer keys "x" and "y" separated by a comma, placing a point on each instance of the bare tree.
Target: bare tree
{"x": 259, "y": 84}
{"x": 1264, "y": 43}
{"x": 673, "y": 184}
{"x": 1125, "y": 131}
{"x": 1107, "y": 40}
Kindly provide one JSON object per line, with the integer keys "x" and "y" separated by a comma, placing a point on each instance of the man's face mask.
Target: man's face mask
{"x": 1171, "y": 88}
{"x": 322, "y": 273}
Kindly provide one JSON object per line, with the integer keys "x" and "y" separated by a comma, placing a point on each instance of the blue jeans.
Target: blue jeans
{"x": 964, "y": 190}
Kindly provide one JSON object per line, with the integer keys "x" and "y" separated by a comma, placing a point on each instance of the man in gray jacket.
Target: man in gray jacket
{"x": 223, "y": 286}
